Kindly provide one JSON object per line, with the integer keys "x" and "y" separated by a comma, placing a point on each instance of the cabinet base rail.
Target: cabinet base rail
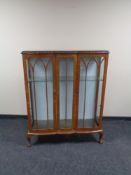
{"x": 30, "y": 134}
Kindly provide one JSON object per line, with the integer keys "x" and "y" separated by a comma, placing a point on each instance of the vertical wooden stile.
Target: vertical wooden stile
{"x": 74, "y": 104}
{"x": 77, "y": 90}
{"x": 25, "y": 66}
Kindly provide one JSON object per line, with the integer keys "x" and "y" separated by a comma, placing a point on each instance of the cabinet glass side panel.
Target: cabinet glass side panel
{"x": 41, "y": 92}
{"x": 101, "y": 74}
{"x": 66, "y": 78}
{"x": 90, "y": 87}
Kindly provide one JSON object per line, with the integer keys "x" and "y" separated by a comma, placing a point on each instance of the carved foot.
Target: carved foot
{"x": 101, "y": 137}
{"x": 29, "y": 140}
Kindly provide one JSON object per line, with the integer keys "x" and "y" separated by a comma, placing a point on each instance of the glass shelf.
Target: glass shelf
{"x": 63, "y": 78}
{"x": 87, "y": 123}
{"x": 42, "y": 124}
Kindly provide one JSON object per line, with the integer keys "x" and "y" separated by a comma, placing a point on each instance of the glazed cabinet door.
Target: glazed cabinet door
{"x": 92, "y": 69}
{"x": 66, "y": 68}
{"x": 39, "y": 78}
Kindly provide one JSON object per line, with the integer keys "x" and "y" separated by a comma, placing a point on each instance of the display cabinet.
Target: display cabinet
{"x": 65, "y": 91}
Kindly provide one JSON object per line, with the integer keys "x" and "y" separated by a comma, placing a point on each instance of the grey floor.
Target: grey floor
{"x": 62, "y": 155}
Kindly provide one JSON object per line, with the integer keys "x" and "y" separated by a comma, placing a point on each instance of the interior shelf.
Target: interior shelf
{"x": 43, "y": 124}
{"x": 64, "y": 78}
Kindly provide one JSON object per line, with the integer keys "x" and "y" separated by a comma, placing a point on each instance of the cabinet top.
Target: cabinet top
{"x": 65, "y": 51}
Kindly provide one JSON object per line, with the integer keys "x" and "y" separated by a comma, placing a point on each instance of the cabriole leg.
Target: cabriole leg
{"x": 29, "y": 140}
{"x": 101, "y": 137}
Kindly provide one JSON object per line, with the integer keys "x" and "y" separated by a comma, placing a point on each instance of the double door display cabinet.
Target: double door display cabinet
{"x": 65, "y": 91}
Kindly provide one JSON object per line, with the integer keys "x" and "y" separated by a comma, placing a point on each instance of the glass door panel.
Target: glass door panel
{"x": 40, "y": 81}
{"x": 66, "y": 81}
{"x": 90, "y": 87}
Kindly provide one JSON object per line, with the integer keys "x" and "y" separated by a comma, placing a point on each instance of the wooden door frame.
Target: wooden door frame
{"x": 57, "y": 63}
{"x": 26, "y": 58}
{"x": 92, "y": 55}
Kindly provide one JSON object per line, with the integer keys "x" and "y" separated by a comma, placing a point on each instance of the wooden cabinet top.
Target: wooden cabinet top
{"x": 67, "y": 52}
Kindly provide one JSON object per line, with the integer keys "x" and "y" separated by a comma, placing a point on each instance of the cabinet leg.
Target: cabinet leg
{"x": 101, "y": 137}
{"x": 29, "y": 140}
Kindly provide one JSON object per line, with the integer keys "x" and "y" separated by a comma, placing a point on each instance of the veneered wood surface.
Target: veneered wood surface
{"x": 55, "y": 57}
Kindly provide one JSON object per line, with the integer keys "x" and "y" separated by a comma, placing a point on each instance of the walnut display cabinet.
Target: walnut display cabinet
{"x": 65, "y": 91}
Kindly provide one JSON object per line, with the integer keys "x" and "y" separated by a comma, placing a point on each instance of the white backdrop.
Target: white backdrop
{"x": 65, "y": 25}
